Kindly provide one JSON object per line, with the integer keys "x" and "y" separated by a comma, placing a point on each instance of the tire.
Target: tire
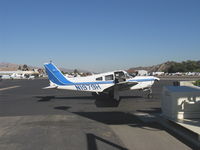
{"x": 149, "y": 96}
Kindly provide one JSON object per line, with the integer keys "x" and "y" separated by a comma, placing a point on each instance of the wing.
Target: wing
{"x": 121, "y": 86}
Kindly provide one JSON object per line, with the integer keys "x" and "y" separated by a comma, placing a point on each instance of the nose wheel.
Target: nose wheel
{"x": 150, "y": 95}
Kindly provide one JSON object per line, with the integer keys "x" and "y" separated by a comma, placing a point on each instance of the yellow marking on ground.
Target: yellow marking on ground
{"x": 8, "y": 88}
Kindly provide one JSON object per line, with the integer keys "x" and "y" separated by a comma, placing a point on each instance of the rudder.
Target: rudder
{"x": 55, "y": 75}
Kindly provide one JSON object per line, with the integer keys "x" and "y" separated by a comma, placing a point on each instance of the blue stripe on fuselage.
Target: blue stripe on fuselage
{"x": 109, "y": 82}
{"x": 79, "y": 83}
{"x": 142, "y": 80}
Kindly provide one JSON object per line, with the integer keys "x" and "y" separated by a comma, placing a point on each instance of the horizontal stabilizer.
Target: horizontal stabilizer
{"x": 50, "y": 87}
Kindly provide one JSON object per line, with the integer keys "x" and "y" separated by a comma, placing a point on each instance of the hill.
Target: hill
{"x": 171, "y": 67}
{"x": 4, "y": 66}
{"x": 155, "y": 68}
{"x": 8, "y": 66}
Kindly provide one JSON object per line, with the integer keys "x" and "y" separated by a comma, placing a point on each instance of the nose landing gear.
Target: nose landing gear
{"x": 150, "y": 95}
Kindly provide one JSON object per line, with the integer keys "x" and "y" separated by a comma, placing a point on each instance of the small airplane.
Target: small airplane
{"x": 5, "y": 77}
{"x": 110, "y": 82}
{"x": 17, "y": 76}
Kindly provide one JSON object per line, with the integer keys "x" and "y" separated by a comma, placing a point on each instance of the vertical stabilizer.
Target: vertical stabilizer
{"x": 55, "y": 75}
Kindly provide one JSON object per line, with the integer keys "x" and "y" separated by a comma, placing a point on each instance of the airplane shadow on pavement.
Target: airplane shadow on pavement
{"x": 111, "y": 117}
{"x": 121, "y": 118}
{"x": 100, "y": 100}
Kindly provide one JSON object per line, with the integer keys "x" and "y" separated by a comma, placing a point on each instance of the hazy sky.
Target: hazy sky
{"x": 99, "y": 35}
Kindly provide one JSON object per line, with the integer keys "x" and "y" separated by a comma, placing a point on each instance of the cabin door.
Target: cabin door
{"x": 119, "y": 77}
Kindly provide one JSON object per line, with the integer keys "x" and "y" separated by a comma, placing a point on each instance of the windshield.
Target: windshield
{"x": 128, "y": 76}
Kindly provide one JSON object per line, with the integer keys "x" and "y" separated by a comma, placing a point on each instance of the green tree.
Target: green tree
{"x": 19, "y": 68}
{"x": 185, "y": 66}
{"x": 25, "y": 67}
{"x": 76, "y": 71}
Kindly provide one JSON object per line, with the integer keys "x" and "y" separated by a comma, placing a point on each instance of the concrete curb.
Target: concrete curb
{"x": 186, "y": 134}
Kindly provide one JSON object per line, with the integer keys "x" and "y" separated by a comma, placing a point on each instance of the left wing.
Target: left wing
{"x": 121, "y": 86}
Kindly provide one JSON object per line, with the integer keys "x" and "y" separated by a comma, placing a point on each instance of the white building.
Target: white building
{"x": 142, "y": 72}
{"x": 157, "y": 73}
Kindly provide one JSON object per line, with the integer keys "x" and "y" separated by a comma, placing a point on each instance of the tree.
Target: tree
{"x": 63, "y": 72}
{"x": 185, "y": 66}
{"x": 19, "y": 68}
{"x": 76, "y": 71}
{"x": 25, "y": 67}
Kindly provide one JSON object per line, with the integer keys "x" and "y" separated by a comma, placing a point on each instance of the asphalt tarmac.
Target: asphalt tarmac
{"x": 33, "y": 118}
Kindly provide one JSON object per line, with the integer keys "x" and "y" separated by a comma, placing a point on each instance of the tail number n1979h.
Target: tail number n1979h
{"x": 85, "y": 87}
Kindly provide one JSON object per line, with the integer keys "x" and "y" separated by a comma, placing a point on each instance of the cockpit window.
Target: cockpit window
{"x": 109, "y": 77}
{"x": 99, "y": 79}
{"x": 128, "y": 76}
{"x": 119, "y": 74}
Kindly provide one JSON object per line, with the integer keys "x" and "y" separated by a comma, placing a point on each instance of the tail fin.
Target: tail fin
{"x": 55, "y": 75}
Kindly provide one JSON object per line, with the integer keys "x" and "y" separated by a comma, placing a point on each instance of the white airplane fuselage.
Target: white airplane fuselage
{"x": 104, "y": 82}
{"x": 91, "y": 85}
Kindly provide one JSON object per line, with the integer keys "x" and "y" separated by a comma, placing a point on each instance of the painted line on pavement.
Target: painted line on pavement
{"x": 8, "y": 88}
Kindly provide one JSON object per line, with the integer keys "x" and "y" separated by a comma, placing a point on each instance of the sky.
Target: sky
{"x": 99, "y": 35}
